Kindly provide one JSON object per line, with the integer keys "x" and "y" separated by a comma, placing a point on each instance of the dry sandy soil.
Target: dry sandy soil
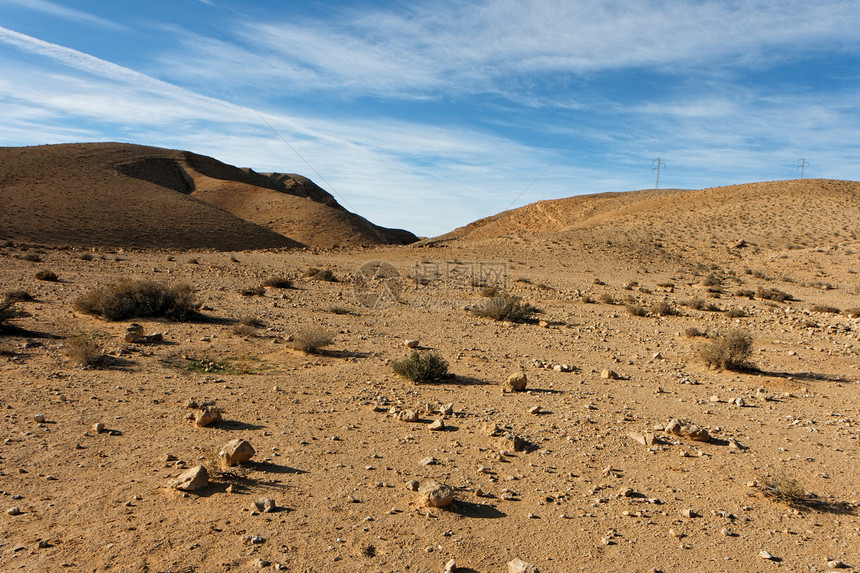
{"x": 583, "y": 496}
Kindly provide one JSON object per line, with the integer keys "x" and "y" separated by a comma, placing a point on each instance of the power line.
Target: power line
{"x": 801, "y": 164}
{"x": 655, "y": 166}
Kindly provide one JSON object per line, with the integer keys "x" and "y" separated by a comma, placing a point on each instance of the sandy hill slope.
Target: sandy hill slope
{"x": 129, "y": 195}
{"x": 668, "y": 223}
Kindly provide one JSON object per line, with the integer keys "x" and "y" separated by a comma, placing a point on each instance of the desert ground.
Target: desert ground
{"x": 576, "y": 473}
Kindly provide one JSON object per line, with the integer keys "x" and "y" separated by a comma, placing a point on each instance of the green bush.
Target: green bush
{"x": 422, "y": 368}
{"x": 504, "y": 306}
{"x": 127, "y": 298}
{"x": 730, "y": 351}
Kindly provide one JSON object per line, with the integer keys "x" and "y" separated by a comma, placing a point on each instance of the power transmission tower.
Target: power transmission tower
{"x": 801, "y": 164}
{"x": 655, "y": 166}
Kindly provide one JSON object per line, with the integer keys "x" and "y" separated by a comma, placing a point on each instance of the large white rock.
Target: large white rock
{"x": 235, "y": 452}
{"x": 192, "y": 479}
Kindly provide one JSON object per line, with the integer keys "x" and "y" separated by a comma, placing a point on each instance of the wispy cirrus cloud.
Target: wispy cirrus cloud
{"x": 66, "y": 13}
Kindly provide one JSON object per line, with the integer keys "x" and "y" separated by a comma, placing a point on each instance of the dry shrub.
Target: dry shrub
{"x": 784, "y": 489}
{"x": 84, "y": 350}
{"x": 773, "y": 294}
{"x": 32, "y": 257}
{"x": 636, "y": 310}
{"x": 730, "y": 351}
{"x": 278, "y": 282}
{"x": 86, "y": 256}
{"x": 19, "y": 296}
{"x": 606, "y": 298}
{"x": 311, "y": 339}
{"x": 8, "y": 311}
{"x": 320, "y": 275}
{"x": 504, "y": 306}
{"x": 827, "y": 309}
{"x": 853, "y": 312}
{"x": 253, "y": 291}
{"x": 745, "y": 293}
{"x": 127, "y": 298}
{"x": 664, "y": 308}
{"x": 422, "y": 368}
{"x": 736, "y": 313}
{"x": 693, "y": 332}
{"x": 49, "y": 276}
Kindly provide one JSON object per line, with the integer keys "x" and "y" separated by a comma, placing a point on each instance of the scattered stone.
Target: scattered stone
{"x": 235, "y": 452}
{"x": 646, "y": 439}
{"x": 765, "y": 555}
{"x": 192, "y": 479}
{"x": 446, "y": 409}
{"x": 450, "y": 566}
{"x": 520, "y": 566}
{"x": 266, "y": 505}
{"x": 608, "y": 374}
{"x": 261, "y": 563}
{"x": 739, "y": 401}
{"x": 687, "y": 430}
{"x": 255, "y": 539}
{"x": 412, "y": 485}
{"x": 206, "y": 416}
{"x": 689, "y": 513}
{"x": 411, "y": 343}
{"x": 491, "y": 429}
{"x": 428, "y": 461}
{"x": 435, "y": 494}
{"x": 407, "y": 416}
{"x": 543, "y": 324}
{"x": 837, "y": 564}
{"x": 98, "y": 427}
{"x": 14, "y": 510}
{"x": 437, "y": 425}
{"x": 231, "y": 488}
{"x": 516, "y": 383}
{"x": 535, "y": 410}
{"x": 512, "y": 441}
{"x": 192, "y": 403}
{"x": 40, "y": 418}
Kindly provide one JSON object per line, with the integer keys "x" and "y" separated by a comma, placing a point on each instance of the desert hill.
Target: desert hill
{"x": 129, "y": 195}
{"x": 668, "y": 223}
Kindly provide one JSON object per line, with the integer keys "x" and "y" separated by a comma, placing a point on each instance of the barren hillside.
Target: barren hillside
{"x": 129, "y": 195}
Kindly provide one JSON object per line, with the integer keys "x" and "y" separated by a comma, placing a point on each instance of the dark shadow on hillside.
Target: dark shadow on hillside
{"x": 12, "y": 330}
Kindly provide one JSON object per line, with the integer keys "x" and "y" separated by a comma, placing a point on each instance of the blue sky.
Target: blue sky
{"x": 428, "y": 115}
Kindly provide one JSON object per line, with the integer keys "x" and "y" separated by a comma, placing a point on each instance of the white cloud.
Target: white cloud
{"x": 65, "y": 13}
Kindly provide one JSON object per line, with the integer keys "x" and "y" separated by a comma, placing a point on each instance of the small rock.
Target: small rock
{"x": 446, "y": 409}
{"x": 98, "y": 427}
{"x": 192, "y": 403}
{"x": 516, "y": 383}
{"x": 437, "y": 426}
{"x": 646, "y": 439}
{"x": 450, "y": 566}
{"x": 608, "y": 374}
{"x": 14, "y": 510}
{"x": 206, "y": 416}
{"x": 435, "y": 494}
{"x": 266, "y": 505}
{"x": 765, "y": 555}
{"x": 520, "y": 566}
{"x": 407, "y": 416}
{"x": 236, "y": 451}
{"x": 836, "y": 564}
{"x": 739, "y": 401}
{"x": 411, "y": 343}
{"x": 491, "y": 429}
{"x": 40, "y": 418}
{"x": 412, "y": 485}
{"x": 231, "y": 488}
{"x": 192, "y": 479}
{"x": 543, "y": 324}
{"x": 428, "y": 461}
{"x": 689, "y": 513}
{"x": 535, "y": 410}
{"x": 687, "y": 430}
{"x": 261, "y": 563}
{"x": 512, "y": 441}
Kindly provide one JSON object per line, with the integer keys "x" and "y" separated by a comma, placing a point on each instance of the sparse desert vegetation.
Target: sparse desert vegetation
{"x": 617, "y": 447}
{"x": 127, "y": 298}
